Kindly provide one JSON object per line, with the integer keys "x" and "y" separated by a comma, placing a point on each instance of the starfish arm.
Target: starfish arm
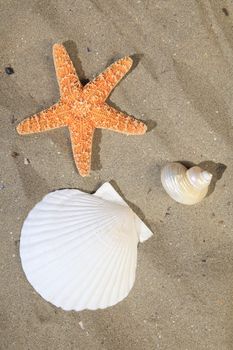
{"x": 51, "y": 118}
{"x": 107, "y": 117}
{"x": 100, "y": 88}
{"x": 65, "y": 71}
{"x": 81, "y": 135}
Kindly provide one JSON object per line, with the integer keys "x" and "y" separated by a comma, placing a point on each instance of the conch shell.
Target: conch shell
{"x": 186, "y": 186}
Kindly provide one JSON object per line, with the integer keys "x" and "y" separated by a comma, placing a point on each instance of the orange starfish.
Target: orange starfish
{"x": 82, "y": 109}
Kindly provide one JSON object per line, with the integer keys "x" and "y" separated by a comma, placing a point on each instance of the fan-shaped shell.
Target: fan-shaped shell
{"x": 185, "y": 186}
{"x": 79, "y": 251}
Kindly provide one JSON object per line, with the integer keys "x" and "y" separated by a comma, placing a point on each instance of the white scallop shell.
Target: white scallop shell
{"x": 79, "y": 251}
{"x": 185, "y": 186}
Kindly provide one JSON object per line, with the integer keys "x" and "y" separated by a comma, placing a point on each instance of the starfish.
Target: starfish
{"x": 83, "y": 108}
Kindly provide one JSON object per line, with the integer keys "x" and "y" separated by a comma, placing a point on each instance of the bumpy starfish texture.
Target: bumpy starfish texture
{"x": 83, "y": 109}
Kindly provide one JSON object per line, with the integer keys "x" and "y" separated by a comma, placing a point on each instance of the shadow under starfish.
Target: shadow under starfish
{"x": 83, "y": 108}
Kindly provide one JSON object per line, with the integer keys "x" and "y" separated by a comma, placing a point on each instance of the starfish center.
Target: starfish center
{"x": 77, "y": 104}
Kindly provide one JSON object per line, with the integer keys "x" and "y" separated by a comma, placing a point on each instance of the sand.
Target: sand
{"x": 182, "y": 86}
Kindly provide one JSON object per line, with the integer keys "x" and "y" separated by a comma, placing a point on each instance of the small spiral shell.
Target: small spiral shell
{"x": 186, "y": 186}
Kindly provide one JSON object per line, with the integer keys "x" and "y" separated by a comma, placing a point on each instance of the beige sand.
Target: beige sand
{"x": 183, "y": 82}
